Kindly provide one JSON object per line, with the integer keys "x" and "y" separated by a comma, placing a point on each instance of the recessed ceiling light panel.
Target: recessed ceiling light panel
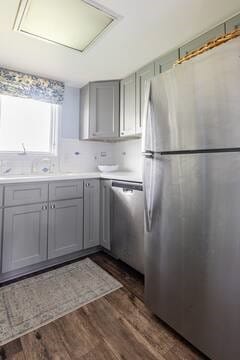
{"x": 72, "y": 23}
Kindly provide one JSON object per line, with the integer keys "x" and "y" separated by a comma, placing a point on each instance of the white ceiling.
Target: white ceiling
{"x": 148, "y": 28}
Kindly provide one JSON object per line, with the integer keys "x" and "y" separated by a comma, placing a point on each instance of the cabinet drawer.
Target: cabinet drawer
{"x": 62, "y": 190}
{"x": 1, "y": 196}
{"x": 25, "y": 194}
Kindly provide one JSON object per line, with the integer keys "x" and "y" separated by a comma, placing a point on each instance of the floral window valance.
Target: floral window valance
{"x": 15, "y": 83}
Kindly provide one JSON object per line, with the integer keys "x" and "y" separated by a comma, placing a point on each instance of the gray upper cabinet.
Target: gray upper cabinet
{"x": 25, "y": 193}
{"x": 24, "y": 236}
{"x": 69, "y": 189}
{"x": 202, "y": 40}
{"x": 65, "y": 228}
{"x": 128, "y": 106}
{"x": 105, "y": 213}
{"x": 233, "y": 23}
{"x": 142, "y": 76}
{"x": 99, "y": 110}
{"x": 91, "y": 213}
{"x": 165, "y": 62}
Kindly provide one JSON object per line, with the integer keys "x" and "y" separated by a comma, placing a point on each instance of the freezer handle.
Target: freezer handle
{"x": 147, "y": 121}
{"x": 148, "y": 154}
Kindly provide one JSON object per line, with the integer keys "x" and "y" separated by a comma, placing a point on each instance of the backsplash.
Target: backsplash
{"x": 84, "y": 156}
{"x": 77, "y": 156}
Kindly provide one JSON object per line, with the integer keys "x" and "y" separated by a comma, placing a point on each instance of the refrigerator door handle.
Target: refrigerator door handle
{"x": 148, "y": 193}
{"x": 147, "y": 123}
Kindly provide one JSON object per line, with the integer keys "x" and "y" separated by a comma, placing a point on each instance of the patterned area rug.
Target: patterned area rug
{"x": 34, "y": 302}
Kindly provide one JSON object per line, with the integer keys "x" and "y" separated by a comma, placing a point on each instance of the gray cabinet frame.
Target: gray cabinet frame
{"x": 91, "y": 213}
{"x": 105, "y": 236}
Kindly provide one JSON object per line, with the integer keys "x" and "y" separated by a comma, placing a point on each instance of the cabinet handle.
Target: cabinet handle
{"x": 44, "y": 207}
{"x": 87, "y": 184}
{"x": 122, "y": 133}
{"x": 53, "y": 206}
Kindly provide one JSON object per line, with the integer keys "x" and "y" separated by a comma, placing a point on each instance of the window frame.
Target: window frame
{"x": 53, "y": 138}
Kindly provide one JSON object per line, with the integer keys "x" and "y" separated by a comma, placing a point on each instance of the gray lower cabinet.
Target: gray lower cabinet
{"x": 24, "y": 236}
{"x": 105, "y": 235}
{"x": 128, "y": 106}
{"x": 142, "y": 76}
{"x": 91, "y": 213}
{"x": 233, "y": 23}
{"x": 165, "y": 62}
{"x": 99, "y": 111}
{"x": 65, "y": 227}
{"x": 202, "y": 40}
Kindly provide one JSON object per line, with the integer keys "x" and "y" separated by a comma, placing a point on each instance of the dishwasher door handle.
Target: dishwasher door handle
{"x": 125, "y": 190}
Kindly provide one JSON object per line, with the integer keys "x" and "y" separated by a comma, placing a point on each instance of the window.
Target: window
{"x": 27, "y": 123}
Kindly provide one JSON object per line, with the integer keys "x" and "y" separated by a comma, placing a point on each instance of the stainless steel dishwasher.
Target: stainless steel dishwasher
{"x": 127, "y": 223}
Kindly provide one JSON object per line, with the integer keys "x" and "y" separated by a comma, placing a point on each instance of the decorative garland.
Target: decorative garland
{"x": 210, "y": 45}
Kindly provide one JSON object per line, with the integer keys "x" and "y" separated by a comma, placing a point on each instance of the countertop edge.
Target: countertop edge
{"x": 120, "y": 176}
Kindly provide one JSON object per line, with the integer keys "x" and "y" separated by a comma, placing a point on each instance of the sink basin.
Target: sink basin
{"x": 108, "y": 168}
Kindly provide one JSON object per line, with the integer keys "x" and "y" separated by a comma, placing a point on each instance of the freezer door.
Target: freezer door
{"x": 196, "y": 104}
{"x": 192, "y": 251}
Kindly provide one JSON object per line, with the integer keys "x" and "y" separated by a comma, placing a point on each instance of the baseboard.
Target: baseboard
{"x": 46, "y": 265}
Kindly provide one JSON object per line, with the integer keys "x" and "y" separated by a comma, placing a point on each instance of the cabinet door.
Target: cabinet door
{"x": 24, "y": 236}
{"x": 202, "y": 40}
{"x": 128, "y": 106}
{"x": 142, "y": 76}
{"x": 104, "y": 109}
{"x": 165, "y": 62}
{"x": 233, "y": 24}
{"x": 105, "y": 213}
{"x": 65, "y": 229}
{"x": 91, "y": 213}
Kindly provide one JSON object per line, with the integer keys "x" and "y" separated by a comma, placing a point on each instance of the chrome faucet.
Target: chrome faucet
{"x": 24, "y": 150}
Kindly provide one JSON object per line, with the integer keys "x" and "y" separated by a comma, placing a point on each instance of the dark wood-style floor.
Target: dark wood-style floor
{"x": 115, "y": 327}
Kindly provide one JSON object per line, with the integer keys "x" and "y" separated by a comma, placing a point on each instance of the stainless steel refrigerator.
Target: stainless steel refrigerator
{"x": 192, "y": 200}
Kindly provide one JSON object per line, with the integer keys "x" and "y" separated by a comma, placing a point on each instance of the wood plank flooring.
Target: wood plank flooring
{"x": 115, "y": 327}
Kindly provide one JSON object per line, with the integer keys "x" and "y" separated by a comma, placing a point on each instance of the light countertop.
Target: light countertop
{"x": 118, "y": 175}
